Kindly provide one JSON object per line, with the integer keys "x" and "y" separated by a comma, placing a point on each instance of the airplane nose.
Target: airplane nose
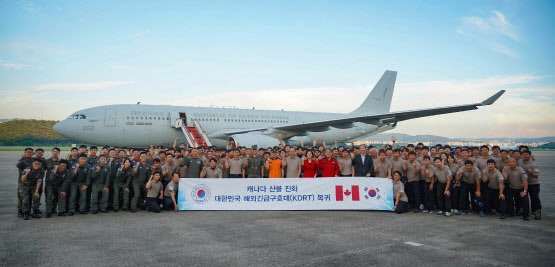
{"x": 59, "y": 128}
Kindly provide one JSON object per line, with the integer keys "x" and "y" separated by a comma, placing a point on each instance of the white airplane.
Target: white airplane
{"x": 159, "y": 125}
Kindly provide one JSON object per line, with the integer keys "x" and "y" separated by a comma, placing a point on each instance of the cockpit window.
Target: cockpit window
{"x": 77, "y": 117}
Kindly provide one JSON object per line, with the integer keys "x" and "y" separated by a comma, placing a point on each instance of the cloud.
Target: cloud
{"x": 515, "y": 114}
{"x": 8, "y": 65}
{"x": 494, "y": 31}
{"x": 81, "y": 86}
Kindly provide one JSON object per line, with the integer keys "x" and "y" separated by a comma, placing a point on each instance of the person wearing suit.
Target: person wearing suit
{"x": 363, "y": 163}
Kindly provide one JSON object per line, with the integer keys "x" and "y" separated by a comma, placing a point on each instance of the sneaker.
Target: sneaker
{"x": 430, "y": 211}
{"x": 482, "y": 214}
{"x": 503, "y": 217}
{"x": 538, "y": 215}
{"x": 62, "y": 214}
{"x": 48, "y": 215}
{"x": 26, "y": 216}
{"x": 421, "y": 206}
{"x": 459, "y": 212}
{"x": 20, "y": 214}
{"x": 440, "y": 212}
{"x": 448, "y": 214}
{"x": 453, "y": 210}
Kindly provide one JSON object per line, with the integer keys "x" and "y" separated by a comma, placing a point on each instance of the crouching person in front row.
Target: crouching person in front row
{"x": 154, "y": 192}
{"x": 401, "y": 200}
{"x": 170, "y": 193}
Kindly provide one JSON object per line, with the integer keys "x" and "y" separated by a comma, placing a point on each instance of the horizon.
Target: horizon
{"x": 60, "y": 57}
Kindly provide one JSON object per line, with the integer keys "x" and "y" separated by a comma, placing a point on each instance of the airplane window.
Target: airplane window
{"x": 150, "y": 118}
{"x": 82, "y": 117}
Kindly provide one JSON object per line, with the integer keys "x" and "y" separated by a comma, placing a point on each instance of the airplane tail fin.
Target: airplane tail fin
{"x": 379, "y": 100}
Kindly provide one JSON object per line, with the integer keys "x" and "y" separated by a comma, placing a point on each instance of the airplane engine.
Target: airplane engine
{"x": 254, "y": 139}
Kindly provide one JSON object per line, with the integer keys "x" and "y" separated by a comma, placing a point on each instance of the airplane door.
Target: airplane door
{"x": 175, "y": 119}
{"x": 110, "y": 118}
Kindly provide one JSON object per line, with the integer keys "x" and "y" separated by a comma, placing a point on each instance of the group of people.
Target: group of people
{"x": 452, "y": 180}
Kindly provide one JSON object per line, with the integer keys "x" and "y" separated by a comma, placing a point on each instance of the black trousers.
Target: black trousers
{"x": 422, "y": 191}
{"x": 402, "y": 206}
{"x": 514, "y": 194}
{"x": 534, "y": 191}
{"x": 455, "y": 195}
{"x": 428, "y": 196}
{"x": 443, "y": 200}
{"x": 493, "y": 201}
{"x": 413, "y": 193}
{"x": 153, "y": 204}
{"x": 466, "y": 189}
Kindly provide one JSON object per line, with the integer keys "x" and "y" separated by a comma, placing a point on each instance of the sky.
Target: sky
{"x": 57, "y": 57}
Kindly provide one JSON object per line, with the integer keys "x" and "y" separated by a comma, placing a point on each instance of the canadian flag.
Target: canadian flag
{"x": 353, "y": 193}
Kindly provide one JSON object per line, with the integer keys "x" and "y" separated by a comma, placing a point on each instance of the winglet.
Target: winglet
{"x": 492, "y": 98}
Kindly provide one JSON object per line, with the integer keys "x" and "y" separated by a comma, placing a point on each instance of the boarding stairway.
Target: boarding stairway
{"x": 195, "y": 135}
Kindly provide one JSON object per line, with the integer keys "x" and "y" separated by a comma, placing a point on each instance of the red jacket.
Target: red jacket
{"x": 329, "y": 167}
{"x": 310, "y": 169}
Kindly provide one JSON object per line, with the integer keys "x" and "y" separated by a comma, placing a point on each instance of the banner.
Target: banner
{"x": 341, "y": 193}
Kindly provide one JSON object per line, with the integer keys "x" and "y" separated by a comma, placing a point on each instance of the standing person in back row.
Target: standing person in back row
{"x": 518, "y": 188}
{"x": 57, "y": 184}
{"x": 363, "y": 164}
{"x": 274, "y": 165}
{"x": 443, "y": 176}
{"x": 122, "y": 183}
{"x": 31, "y": 181}
{"x": 469, "y": 177}
{"x": 236, "y": 165}
{"x": 194, "y": 164}
{"x": 100, "y": 184}
{"x": 293, "y": 164}
{"x": 382, "y": 167}
{"x": 80, "y": 181}
{"x": 533, "y": 172}
{"x": 25, "y": 162}
{"x": 345, "y": 164}
{"x": 412, "y": 167}
{"x": 495, "y": 200}
{"x": 329, "y": 165}
{"x": 141, "y": 173}
{"x": 253, "y": 164}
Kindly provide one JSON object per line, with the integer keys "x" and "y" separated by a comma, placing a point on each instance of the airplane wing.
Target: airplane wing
{"x": 378, "y": 119}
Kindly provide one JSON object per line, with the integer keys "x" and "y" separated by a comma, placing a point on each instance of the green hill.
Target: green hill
{"x": 30, "y": 132}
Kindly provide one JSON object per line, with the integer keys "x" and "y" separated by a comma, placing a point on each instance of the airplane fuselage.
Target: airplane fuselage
{"x": 144, "y": 125}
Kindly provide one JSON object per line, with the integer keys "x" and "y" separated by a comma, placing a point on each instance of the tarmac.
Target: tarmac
{"x": 308, "y": 238}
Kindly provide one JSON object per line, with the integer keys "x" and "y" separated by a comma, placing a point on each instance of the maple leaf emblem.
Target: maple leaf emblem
{"x": 347, "y": 192}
